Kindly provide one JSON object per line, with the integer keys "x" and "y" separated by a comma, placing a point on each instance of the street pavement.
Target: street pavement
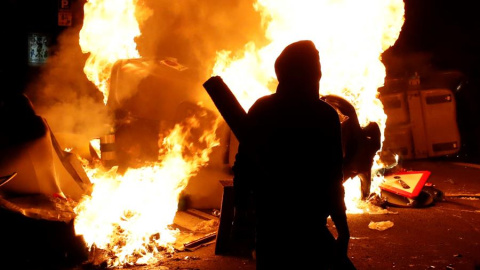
{"x": 443, "y": 235}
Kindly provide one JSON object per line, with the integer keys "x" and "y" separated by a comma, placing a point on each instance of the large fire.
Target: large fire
{"x": 351, "y": 37}
{"x": 108, "y": 34}
{"x": 130, "y": 214}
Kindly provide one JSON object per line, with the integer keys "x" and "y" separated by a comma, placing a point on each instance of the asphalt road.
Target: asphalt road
{"x": 444, "y": 235}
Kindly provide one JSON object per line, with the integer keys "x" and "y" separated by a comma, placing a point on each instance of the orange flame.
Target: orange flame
{"x": 350, "y": 36}
{"x": 130, "y": 214}
{"x": 124, "y": 211}
{"x": 108, "y": 34}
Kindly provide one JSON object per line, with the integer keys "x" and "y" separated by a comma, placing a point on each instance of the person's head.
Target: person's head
{"x": 298, "y": 68}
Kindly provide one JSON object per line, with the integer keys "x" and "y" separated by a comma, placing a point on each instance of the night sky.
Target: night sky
{"x": 440, "y": 34}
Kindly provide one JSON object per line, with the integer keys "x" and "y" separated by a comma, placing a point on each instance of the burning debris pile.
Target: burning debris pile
{"x": 131, "y": 214}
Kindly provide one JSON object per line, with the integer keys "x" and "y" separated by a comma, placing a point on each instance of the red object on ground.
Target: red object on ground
{"x": 407, "y": 184}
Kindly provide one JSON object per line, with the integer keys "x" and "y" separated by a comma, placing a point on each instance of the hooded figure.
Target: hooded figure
{"x": 296, "y": 172}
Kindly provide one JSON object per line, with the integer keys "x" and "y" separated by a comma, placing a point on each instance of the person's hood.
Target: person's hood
{"x": 298, "y": 70}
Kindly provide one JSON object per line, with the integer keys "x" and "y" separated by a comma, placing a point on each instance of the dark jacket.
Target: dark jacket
{"x": 291, "y": 157}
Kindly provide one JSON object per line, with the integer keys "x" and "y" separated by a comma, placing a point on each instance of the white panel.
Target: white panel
{"x": 439, "y": 112}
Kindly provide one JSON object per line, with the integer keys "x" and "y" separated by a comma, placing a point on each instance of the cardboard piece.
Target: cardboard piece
{"x": 42, "y": 167}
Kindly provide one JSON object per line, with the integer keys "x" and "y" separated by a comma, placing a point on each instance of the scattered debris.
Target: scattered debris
{"x": 358, "y": 238}
{"x": 216, "y": 212}
{"x": 435, "y": 193}
{"x": 191, "y": 258}
{"x": 5, "y": 179}
{"x": 375, "y": 205}
{"x": 205, "y": 240}
{"x": 381, "y": 225}
{"x": 471, "y": 197}
{"x": 206, "y": 226}
{"x": 41, "y": 207}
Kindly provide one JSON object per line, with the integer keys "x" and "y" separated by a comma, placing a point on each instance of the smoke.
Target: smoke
{"x": 188, "y": 30}
{"x": 63, "y": 95}
{"x": 188, "y": 34}
{"x": 193, "y": 31}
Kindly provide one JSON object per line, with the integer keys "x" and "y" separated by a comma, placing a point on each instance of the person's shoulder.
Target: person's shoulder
{"x": 262, "y": 102}
{"x": 266, "y": 99}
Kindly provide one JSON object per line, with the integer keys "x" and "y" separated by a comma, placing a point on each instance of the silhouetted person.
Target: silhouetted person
{"x": 292, "y": 161}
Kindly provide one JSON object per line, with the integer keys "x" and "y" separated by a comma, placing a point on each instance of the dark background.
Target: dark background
{"x": 439, "y": 40}
{"x": 439, "y": 36}
{"x": 438, "y": 33}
